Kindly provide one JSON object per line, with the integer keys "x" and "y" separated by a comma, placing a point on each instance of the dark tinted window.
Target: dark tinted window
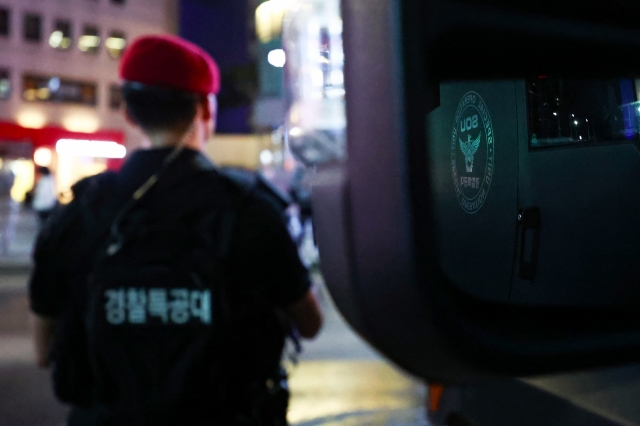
{"x": 32, "y": 27}
{"x": 115, "y": 96}
{"x": 617, "y": 13}
{"x": 5, "y": 84}
{"x": 89, "y": 41}
{"x": 5, "y": 21}
{"x": 40, "y": 88}
{"x": 61, "y": 36}
{"x": 118, "y": 1}
{"x": 580, "y": 111}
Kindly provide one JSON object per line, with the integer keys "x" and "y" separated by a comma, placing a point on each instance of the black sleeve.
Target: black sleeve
{"x": 263, "y": 257}
{"x": 48, "y": 290}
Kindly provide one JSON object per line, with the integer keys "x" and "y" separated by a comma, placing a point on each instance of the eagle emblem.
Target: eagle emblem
{"x": 469, "y": 149}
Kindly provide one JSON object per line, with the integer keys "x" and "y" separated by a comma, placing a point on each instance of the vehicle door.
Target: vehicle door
{"x": 579, "y": 173}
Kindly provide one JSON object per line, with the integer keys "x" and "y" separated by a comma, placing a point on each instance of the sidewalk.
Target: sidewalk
{"x": 18, "y": 257}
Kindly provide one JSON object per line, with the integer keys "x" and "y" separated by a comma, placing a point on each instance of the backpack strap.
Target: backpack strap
{"x": 235, "y": 194}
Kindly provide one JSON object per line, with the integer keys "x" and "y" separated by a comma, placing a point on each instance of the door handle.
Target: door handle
{"x": 529, "y": 221}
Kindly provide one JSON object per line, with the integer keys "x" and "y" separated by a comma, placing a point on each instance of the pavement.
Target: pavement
{"x": 25, "y": 391}
{"x": 22, "y": 235}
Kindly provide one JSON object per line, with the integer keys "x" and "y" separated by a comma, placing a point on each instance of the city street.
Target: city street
{"x": 338, "y": 381}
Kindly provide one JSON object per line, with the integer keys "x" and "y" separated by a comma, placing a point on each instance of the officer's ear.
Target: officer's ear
{"x": 209, "y": 107}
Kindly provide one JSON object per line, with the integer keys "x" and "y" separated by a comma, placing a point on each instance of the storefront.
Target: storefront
{"x": 69, "y": 155}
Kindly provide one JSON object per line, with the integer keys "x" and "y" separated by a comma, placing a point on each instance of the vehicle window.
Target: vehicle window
{"x": 582, "y": 111}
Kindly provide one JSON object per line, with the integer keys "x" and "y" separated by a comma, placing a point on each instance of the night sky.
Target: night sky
{"x": 220, "y": 27}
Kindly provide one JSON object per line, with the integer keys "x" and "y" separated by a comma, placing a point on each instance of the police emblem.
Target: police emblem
{"x": 472, "y": 152}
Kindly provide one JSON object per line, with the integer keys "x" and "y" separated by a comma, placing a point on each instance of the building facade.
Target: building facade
{"x": 59, "y": 81}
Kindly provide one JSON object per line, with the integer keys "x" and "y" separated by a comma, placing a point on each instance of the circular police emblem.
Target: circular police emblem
{"x": 472, "y": 152}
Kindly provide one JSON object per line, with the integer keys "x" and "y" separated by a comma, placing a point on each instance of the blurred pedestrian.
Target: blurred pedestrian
{"x": 8, "y": 208}
{"x": 45, "y": 198}
{"x": 173, "y": 284}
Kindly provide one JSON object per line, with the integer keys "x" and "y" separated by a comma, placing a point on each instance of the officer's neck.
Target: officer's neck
{"x": 190, "y": 138}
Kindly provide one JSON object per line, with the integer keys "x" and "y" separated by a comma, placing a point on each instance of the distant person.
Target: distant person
{"x": 45, "y": 198}
{"x": 8, "y": 209}
{"x": 172, "y": 284}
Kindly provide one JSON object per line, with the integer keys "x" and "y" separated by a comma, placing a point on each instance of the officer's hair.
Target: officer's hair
{"x": 156, "y": 109}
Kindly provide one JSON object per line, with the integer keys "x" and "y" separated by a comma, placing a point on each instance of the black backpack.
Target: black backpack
{"x": 143, "y": 336}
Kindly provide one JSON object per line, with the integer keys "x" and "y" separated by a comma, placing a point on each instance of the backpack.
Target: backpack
{"x": 150, "y": 317}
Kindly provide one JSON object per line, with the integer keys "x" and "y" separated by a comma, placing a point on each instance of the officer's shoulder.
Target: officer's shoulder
{"x": 92, "y": 185}
{"x": 65, "y": 216}
{"x": 86, "y": 191}
{"x": 255, "y": 187}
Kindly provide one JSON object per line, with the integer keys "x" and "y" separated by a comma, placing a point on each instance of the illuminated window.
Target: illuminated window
{"x": 115, "y": 43}
{"x": 40, "y": 88}
{"x": 5, "y": 22}
{"x": 90, "y": 148}
{"x": 61, "y": 37}
{"x": 89, "y": 41}
{"x": 32, "y": 27}
{"x": 5, "y": 84}
{"x": 115, "y": 96}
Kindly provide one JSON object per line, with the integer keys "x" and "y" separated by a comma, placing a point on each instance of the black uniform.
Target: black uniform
{"x": 262, "y": 264}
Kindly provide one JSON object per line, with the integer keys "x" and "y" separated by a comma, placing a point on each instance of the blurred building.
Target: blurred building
{"x": 221, "y": 28}
{"x": 59, "y": 84}
{"x": 269, "y": 107}
{"x": 226, "y": 29}
{"x": 301, "y": 82}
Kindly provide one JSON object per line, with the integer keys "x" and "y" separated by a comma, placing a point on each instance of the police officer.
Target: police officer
{"x": 170, "y": 87}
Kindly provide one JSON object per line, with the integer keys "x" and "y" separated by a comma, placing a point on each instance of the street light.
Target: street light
{"x": 277, "y": 58}
{"x": 269, "y": 19}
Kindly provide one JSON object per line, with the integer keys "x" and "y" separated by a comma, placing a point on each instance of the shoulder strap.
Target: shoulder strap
{"x": 235, "y": 193}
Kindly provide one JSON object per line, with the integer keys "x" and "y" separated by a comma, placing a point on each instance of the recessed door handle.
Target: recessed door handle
{"x": 529, "y": 221}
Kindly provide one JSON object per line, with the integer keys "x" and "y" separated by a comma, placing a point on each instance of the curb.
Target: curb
{"x": 15, "y": 267}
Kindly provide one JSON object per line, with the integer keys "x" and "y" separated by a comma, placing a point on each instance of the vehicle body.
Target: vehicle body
{"x": 468, "y": 233}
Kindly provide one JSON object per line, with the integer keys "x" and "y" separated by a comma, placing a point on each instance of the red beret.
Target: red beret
{"x": 170, "y": 62}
